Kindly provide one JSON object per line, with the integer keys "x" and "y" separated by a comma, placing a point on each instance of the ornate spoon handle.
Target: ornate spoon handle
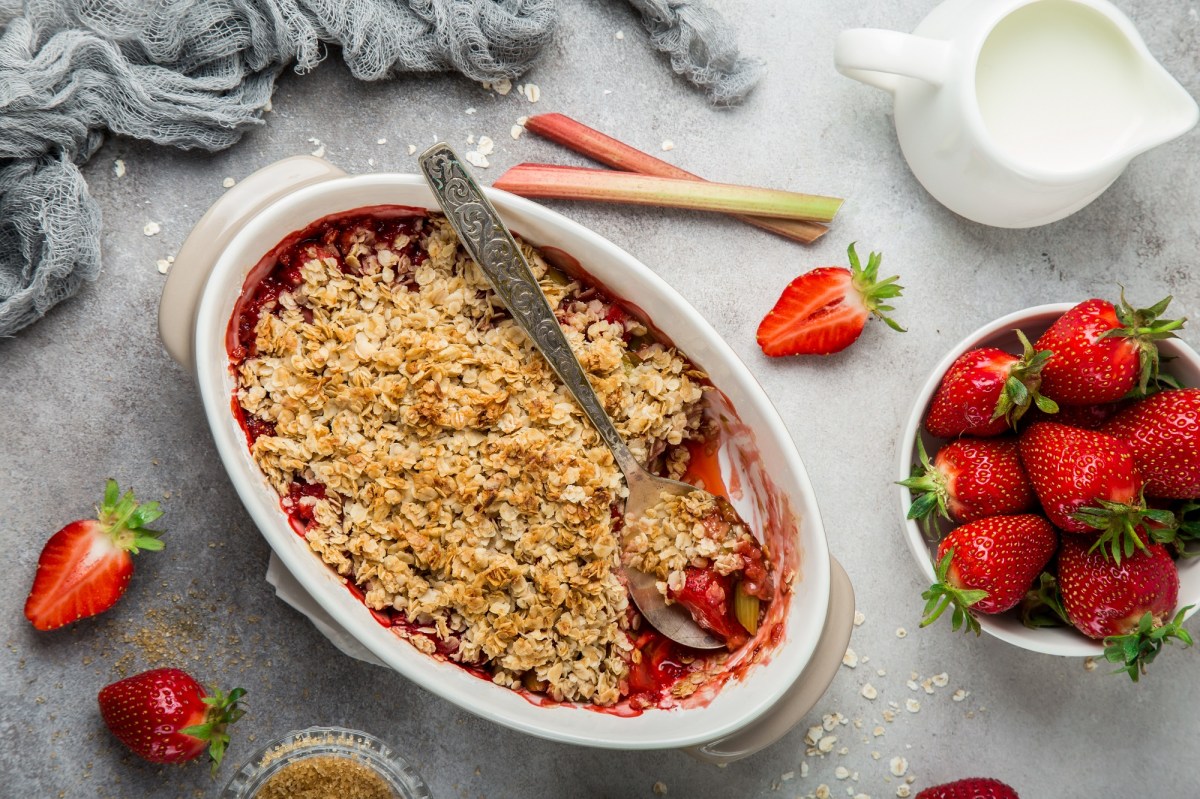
{"x": 489, "y": 242}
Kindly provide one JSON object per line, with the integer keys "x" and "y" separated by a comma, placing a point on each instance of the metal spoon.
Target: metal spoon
{"x": 490, "y": 243}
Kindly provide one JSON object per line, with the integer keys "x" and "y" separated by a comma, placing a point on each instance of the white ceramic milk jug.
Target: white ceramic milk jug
{"x": 1016, "y": 113}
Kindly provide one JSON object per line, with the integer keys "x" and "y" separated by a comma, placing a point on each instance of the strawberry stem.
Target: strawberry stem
{"x": 1021, "y": 387}
{"x": 1137, "y": 649}
{"x": 223, "y": 710}
{"x": 1121, "y": 527}
{"x": 866, "y": 282}
{"x": 602, "y": 185}
{"x": 929, "y": 487}
{"x": 125, "y": 519}
{"x": 1042, "y": 605}
{"x": 618, "y": 155}
{"x": 942, "y": 595}
{"x": 1145, "y": 328}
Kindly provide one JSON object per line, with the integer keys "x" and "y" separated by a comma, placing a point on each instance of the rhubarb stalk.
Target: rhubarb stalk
{"x": 604, "y": 185}
{"x": 618, "y": 155}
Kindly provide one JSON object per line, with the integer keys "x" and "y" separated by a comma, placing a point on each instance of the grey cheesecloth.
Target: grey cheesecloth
{"x": 197, "y": 73}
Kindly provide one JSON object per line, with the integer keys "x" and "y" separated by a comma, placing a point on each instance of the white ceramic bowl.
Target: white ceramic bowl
{"x": 759, "y": 451}
{"x": 1000, "y": 333}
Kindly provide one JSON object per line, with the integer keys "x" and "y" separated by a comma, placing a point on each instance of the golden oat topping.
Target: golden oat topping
{"x": 694, "y": 530}
{"x": 441, "y": 467}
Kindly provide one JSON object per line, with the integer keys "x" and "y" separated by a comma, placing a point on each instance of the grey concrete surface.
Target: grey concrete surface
{"x": 88, "y": 393}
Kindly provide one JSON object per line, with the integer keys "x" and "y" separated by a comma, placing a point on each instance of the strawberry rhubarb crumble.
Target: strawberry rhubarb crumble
{"x": 425, "y": 450}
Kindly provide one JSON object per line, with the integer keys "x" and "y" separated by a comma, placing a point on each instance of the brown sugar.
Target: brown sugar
{"x": 325, "y": 777}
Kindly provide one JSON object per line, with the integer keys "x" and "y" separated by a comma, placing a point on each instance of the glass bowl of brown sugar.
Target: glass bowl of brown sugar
{"x": 326, "y": 763}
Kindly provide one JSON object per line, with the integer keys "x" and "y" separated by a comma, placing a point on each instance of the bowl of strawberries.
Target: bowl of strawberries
{"x": 1050, "y": 482}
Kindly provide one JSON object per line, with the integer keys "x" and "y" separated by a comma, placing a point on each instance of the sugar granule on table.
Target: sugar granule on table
{"x": 619, "y": 35}
{"x": 668, "y": 145}
{"x": 381, "y": 141}
{"x": 412, "y": 148}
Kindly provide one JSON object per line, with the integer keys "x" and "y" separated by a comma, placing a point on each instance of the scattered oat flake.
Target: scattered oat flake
{"x": 826, "y": 743}
{"x": 471, "y": 139}
{"x": 903, "y": 791}
{"x": 861, "y": 796}
{"x": 901, "y": 632}
{"x": 878, "y": 731}
{"x": 1089, "y": 664}
{"x": 476, "y": 158}
{"x": 868, "y": 691}
{"x": 521, "y": 120}
{"x": 163, "y": 266}
{"x": 960, "y": 695}
{"x": 841, "y": 772}
{"x": 619, "y": 35}
{"x": 319, "y": 152}
{"x": 859, "y": 618}
{"x": 881, "y": 672}
{"x": 875, "y": 755}
{"x": 822, "y": 791}
{"x": 151, "y": 229}
{"x": 899, "y": 766}
{"x": 940, "y": 680}
{"x": 229, "y": 183}
{"x": 502, "y": 86}
{"x": 119, "y": 168}
{"x": 813, "y": 735}
{"x": 660, "y": 789}
{"x": 268, "y": 106}
{"x": 486, "y": 145}
{"x": 912, "y": 685}
{"x": 927, "y": 685}
{"x": 471, "y": 110}
{"x": 515, "y": 131}
{"x": 668, "y": 145}
{"x": 381, "y": 141}
{"x": 412, "y": 148}
{"x": 889, "y": 716}
{"x": 532, "y": 92}
{"x": 370, "y": 162}
{"x": 803, "y": 769}
{"x": 912, "y": 706}
{"x": 850, "y": 659}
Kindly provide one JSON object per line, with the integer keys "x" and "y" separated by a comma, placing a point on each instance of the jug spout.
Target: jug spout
{"x": 1167, "y": 110}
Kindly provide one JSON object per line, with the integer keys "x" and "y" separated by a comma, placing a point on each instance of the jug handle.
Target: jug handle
{"x": 880, "y": 58}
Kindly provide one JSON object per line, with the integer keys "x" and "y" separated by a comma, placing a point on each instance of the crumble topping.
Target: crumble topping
{"x": 688, "y": 530}
{"x": 463, "y": 487}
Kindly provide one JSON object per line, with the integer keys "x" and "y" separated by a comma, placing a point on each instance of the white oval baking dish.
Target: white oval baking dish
{"x": 747, "y": 713}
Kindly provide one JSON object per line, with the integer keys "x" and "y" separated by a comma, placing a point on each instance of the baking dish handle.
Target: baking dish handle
{"x": 228, "y": 215}
{"x": 808, "y": 689}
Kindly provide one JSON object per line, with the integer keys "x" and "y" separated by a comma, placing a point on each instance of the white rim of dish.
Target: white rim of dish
{"x": 210, "y": 349}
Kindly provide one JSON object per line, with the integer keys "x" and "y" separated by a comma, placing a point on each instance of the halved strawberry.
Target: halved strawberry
{"x": 85, "y": 567}
{"x": 1163, "y": 432}
{"x": 1129, "y": 605}
{"x": 165, "y": 716}
{"x": 986, "y": 566}
{"x": 1103, "y": 352}
{"x": 969, "y": 479}
{"x": 824, "y": 311}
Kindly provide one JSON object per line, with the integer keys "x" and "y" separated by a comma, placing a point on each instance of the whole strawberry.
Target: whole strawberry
{"x": 985, "y": 391}
{"x": 825, "y": 310}
{"x": 86, "y": 566}
{"x": 969, "y": 479}
{"x": 1087, "y": 483}
{"x": 986, "y": 566}
{"x": 1103, "y": 352}
{"x": 165, "y": 716}
{"x": 1129, "y": 605}
{"x": 1163, "y": 433}
{"x": 970, "y": 788}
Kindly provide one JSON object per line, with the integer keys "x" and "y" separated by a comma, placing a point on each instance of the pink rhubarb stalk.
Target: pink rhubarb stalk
{"x": 604, "y": 185}
{"x": 618, "y": 155}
